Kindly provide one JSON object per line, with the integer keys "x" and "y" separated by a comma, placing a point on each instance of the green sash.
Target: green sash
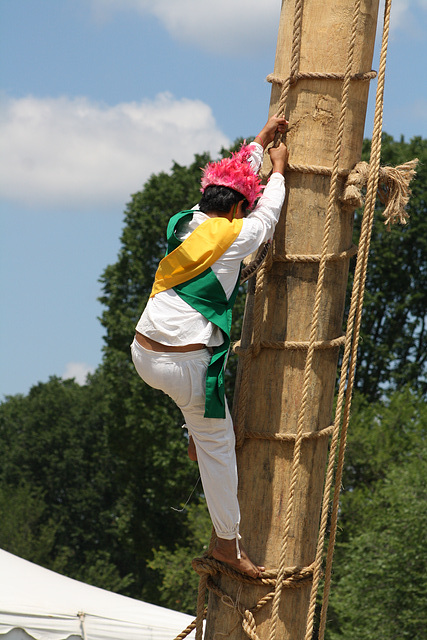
{"x": 205, "y": 294}
{"x": 190, "y": 258}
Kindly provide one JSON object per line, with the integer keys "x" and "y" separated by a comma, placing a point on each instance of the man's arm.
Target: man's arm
{"x": 265, "y": 136}
{"x": 274, "y": 124}
{"x": 259, "y": 225}
{"x": 279, "y": 157}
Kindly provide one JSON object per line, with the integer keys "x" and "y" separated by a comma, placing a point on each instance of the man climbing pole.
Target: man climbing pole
{"x": 183, "y": 336}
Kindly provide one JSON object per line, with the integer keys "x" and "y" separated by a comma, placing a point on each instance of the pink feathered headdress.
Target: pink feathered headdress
{"x": 236, "y": 173}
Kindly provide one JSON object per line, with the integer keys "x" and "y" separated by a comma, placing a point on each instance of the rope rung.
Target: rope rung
{"x": 319, "y": 75}
{"x": 283, "y": 346}
{"x": 291, "y": 578}
{"x": 210, "y": 566}
{"x": 330, "y": 257}
{"x": 289, "y": 437}
{"x": 315, "y": 169}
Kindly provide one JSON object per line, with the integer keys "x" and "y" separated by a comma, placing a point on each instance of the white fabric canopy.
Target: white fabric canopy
{"x": 49, "y": 606}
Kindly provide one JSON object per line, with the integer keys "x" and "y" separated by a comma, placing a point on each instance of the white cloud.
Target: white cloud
{"x": 412, "y": 111}
{"x": 77, "y": 154}
{"x": 407, "y": 16}
{"x": 77, "y": 370}
{"x": 418, "y": 110}
{"x": 238, "y": 26}
{"x": 399, "y": 9}
{"x": 223, "y": 26}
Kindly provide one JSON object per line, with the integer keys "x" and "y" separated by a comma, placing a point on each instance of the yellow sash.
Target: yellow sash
{"x": 204, "y": 246}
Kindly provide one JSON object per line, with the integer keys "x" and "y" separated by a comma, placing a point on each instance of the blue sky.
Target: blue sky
{"x": 95, "y": 96}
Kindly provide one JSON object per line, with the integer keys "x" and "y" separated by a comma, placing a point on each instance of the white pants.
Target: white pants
{"x": 182, "y": 376}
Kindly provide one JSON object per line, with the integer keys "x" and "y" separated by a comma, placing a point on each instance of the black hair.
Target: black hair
{"x": 219, "y": 198}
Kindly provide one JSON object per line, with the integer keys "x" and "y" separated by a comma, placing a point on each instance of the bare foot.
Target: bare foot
{"x": 192, "y": 454}
{"x": 225, "y": 551}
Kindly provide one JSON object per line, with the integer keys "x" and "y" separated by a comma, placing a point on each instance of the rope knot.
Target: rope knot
{"x": 393, "y": 189}
{"x": 203, "y": 566}
{"x": 287, "y": 577}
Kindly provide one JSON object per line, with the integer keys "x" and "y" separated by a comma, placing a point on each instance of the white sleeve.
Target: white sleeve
{"x": 269, "y": 206}
{"x": 257, "y": 154}
{"x": 259, "y": 226}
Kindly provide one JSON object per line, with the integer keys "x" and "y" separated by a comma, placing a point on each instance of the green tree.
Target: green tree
{"x": 382, "y": 591}
{"x": 60, "y": 506}
{"x": 392, "y": 349}
{"x": 25, "y": 527}
{"x": 179, "y": 583}
{"x": 382, "y": 434}
{"x": 379, "y": 589}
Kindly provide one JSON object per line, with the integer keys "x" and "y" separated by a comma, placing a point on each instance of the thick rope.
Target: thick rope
{"x": 252, "y": 267}
{"x": 319, "y": 75}
{"x": 259, "y": 303}
{"x": 239, "y": 409}
{"x": 330, "y": 257}
{"x": 283, "y": 346}
{"x": 316, "y": 310}
{"x": 393, "y": 189}
{"x": 315, "y": 169}
{"x": 362, "y": 259}
{"x": 239, "y": 414}
{"x": 289, "y": 437}
{"x": 188, "y": 629}
{"x": 355, "y": 312}
{"x": 207, "y": 567}
{"x": 295, "y": 56}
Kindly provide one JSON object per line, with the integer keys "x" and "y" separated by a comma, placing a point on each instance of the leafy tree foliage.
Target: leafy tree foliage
{"x": 179, "y": 583}
{"x": 383, "y": 592}
{"x": 382, "y": 435}
{"x": 380, "y": 586}
{"x": 392, "y": 350}
{"x": 26, "y": 528}
{"x": 57, "y": 495}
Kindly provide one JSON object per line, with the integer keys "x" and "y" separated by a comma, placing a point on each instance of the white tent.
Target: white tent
{"x": 44, "y": 605}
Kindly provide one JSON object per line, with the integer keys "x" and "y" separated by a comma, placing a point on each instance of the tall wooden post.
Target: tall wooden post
{"x": 274, "y": 374}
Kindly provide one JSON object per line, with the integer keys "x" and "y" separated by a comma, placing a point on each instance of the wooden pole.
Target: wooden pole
{"x": 275, "y": 375}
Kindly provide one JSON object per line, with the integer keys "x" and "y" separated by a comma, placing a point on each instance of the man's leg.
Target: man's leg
{"x": 218, "y": 470}
{"x": 182, "y": 376}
